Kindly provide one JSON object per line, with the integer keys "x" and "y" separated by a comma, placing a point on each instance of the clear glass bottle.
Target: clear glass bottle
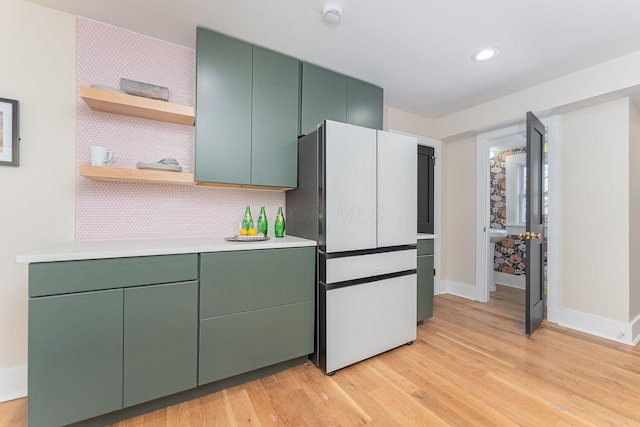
{"x": 279, "y": 228}
{"x": 263, "y": 223}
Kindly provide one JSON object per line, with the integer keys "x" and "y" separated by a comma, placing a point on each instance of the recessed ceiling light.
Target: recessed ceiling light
{"x": 484, "y": 54}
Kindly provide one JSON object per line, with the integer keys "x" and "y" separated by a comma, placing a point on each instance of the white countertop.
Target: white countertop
{"x": 426, "y": 236}
{"x": 73, "y": 250}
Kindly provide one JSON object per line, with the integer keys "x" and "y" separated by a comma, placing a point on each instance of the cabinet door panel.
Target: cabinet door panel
{"x": 238, "y": 343}
{"x": 274, "y": 145}
{"x": 232, "y": 282}
{"x": 324, "y": 97}
{"x": 350, "y": 178}
{"x": 223, "y": 109}
{"x": 160, "y": 341}
{"x": 364, "y": 104}
{"x": 425, "y": 287}
{"x": 397, "y": 189}
{"x": 75, "y": 357}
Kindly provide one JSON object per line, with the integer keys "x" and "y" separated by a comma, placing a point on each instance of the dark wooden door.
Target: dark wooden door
{"x": 535, "y": 224}
{"x": 425, "y": 189}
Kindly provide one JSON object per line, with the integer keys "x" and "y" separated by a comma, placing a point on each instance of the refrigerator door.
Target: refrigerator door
{"x": 350, "y": 188}
{"x": 397, "y": 189}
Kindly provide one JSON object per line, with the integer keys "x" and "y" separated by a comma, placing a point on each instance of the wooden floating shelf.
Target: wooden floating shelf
{"x": 137, "y": 106}
{"x": 106, "y": 173}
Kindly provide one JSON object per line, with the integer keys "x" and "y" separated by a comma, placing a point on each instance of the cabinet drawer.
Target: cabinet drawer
{"x": 356, "y": 267}
{"x": 425, "y": 247}
{"x": 232, "y": 282}
{"x": 53, "y": 278}
{"x": 238, "y": 343}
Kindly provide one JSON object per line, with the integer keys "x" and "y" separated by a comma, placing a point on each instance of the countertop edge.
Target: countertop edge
{"x": 424, "y": 236}
{"x": 78, "y": 251}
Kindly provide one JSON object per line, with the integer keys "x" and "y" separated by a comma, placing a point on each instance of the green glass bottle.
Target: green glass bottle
{"x": 247, "y": 221}
{"x": 263, "y": 224}
{"x": 279, "y": 227}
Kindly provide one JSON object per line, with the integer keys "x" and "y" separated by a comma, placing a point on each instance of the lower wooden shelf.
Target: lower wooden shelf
{"x": 136, "y": 175}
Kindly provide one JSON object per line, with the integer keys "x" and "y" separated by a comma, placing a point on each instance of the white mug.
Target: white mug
{"x": 100, "y": 156}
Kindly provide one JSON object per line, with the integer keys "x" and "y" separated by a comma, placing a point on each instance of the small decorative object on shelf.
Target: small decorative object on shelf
{"x": 146, "y": 90}
{"x": 279, "y": 227}
{"x": 263, "y": 223}
{"x": 166, "y": 164}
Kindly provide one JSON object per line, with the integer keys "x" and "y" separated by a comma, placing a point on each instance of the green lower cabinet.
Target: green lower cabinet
{"x": 425, "y": 287}
{"x": 75, "y": 357}
{"x": 242, "y": 342}
{"x": 160, "y": 341}
{"x": 425, "y": 278}
{"x": 234, "y": 282}
{"x": 256, "y": 310}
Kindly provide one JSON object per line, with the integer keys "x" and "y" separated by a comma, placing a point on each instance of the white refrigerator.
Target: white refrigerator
{"x": 356, "y": 196}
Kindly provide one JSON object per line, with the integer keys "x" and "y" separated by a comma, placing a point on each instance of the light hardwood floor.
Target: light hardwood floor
{"x": 471, "y": 365}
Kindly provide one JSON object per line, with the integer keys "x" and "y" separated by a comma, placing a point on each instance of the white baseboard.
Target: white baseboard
{"x": 625, "y": 333}
{"x": 512, "y": 280}
{"x": 460, "y": 289}
{"x": 13, "y": 383}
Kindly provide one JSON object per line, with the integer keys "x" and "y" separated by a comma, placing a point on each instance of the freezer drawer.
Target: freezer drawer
{"x": 378, "y": 264}
{"x": 369, "y": 319}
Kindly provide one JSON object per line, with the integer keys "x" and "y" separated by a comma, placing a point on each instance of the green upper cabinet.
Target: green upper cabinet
{"x": 274, "y": 127}
{"x": 223, "y": 109}
{"x": 364, "y": 104}
{"x": 324, "y": 95}
{"x": 246, "y": 113}
{"x": 327, "y": 95}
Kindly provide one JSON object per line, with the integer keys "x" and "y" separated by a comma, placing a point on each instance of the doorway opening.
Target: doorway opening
{"x": 501, "y": 205}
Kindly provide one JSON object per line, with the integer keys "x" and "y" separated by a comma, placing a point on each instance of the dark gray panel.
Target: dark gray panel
{"x": 275, "y": 119}
{"x": 160, "y": 341}
{"x": 303, "y": 203}
{"x": 239, "y": 343}
{"x": 231, "y": 282}
{"x": 75, "y": 357}
{"x": 52, "y": 278}
{"x": 364, "y": 104}
{"x": 223, "y": 109}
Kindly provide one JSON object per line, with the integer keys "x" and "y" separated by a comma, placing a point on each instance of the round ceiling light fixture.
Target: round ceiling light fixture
{"x": 332, "y": 13}
{"x": 485, "y": 54}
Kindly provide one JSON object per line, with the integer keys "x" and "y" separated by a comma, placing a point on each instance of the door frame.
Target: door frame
{"x": 482, "y": 209}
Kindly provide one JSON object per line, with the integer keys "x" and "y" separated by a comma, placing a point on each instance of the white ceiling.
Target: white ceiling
{"x": 417, "y": 50}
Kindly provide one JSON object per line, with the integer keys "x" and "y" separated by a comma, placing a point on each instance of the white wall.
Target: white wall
{"x": 409, "y": 123}
{"x": 594, "y": 210}
{"x": 38, "y": 197}
{"x": 459, "y": 212}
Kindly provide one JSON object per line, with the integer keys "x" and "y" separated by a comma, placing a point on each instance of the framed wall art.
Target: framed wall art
{"x": 9, "y": 151}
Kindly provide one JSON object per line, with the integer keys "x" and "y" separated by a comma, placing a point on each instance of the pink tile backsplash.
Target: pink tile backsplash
{"x": 121, "y": 210}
